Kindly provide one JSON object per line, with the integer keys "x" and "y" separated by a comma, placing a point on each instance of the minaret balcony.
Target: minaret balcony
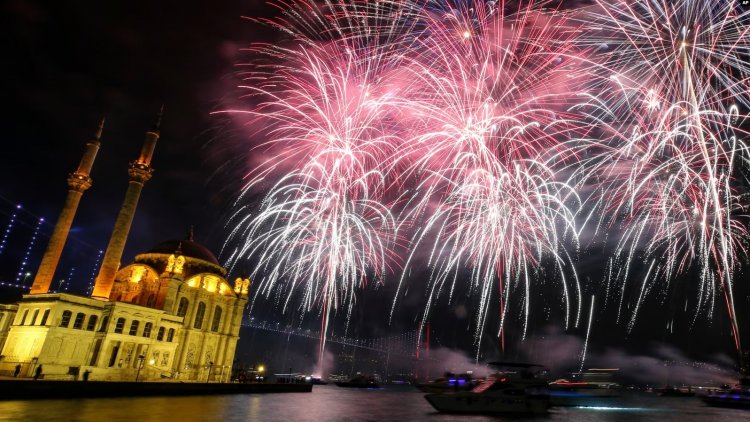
{"x": 140, "y": 172}
{"x": 79, "y": 182}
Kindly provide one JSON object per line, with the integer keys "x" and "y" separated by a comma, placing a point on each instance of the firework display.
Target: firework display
{"x": 671, "y": 146}
{"x": 478, "y": 139}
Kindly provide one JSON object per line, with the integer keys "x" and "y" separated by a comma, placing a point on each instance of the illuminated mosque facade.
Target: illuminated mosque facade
{"x": 171, "y": 314}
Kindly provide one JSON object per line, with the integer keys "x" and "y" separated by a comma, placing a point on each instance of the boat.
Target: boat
{"x": 449, "y": 382}
{"x": 360, "y": 381}
{"x": 737, "y": 397}
{"x": 317, "y": 381}
{"x": 589, "y": 388}
{"x": 670, "y": 391}
{"x": 515, "y": 388}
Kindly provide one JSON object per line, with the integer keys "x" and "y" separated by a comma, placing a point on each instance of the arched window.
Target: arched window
{"x": 170, "y": 335}
{"x": 217, "y": 319}
{"x": 120, "y": 325}
{"x": 134, "y": 327}
{"x": 45, "y": 317}
{"x": 92, "y": 323}
{"x": 151, "y": 301}
{"x": 23, "y": 319}
{"x": 78, "y": 323}
{"x": 105, "y": 321}
{"x": 182, "y": 307}
{"x": 147, "y": 329}
{"x": 160, "y": 334}
{"x": 66, "y": 319}
{"x": 199, "y": 313}
{"x": 33, "y": 317}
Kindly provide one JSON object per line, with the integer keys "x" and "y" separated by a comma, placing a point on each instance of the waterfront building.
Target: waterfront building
{"x": 7, "y": 314}
{"x": 171, "y": 314}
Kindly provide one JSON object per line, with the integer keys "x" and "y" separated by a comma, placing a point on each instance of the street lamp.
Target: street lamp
{"x": 26, "y": 277}
{"x": 141, "y": 358}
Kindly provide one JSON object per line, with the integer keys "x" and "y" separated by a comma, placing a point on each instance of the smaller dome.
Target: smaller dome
{"x": 189, "y": 249}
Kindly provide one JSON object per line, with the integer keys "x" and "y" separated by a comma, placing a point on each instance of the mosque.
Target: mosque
{"x": 171, "y": 314}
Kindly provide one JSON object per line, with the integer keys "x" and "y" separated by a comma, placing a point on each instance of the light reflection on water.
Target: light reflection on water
{"x": 330, "y": 403}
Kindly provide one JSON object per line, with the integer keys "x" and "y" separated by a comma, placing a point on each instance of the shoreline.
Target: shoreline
{"x": 65, "y": 389}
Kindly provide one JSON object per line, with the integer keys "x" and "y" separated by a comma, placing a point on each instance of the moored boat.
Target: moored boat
{"x": 518, "y": 388}
{"x": 737, "y": 397}
{"x": 317, "y": 381}
{"x": 670, "y": 391}
{"x": 449, "y": 382}
{"x": 591, "y": 388}
{"x": 360, "y": 381}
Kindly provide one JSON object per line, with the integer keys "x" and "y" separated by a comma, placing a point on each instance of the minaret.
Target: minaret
{"x": 140, "y": 172}
{"x": 78, "y": 182}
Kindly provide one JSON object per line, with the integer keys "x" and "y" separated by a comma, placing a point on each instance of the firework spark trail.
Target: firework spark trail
{"x": 471, "y": 129}
{"x": 389, "y": 110}
{"x": 488, "y": 107}
{"x": 588, "y": 333}
{"x": 671, "y": 77}
{"x": 324, "y": 228}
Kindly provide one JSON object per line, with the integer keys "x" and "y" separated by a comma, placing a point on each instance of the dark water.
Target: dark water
{"x": 330, "y": 403}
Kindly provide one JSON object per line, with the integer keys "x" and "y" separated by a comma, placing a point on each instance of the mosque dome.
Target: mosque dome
{"x": 189, "y": 248}
{"x": 198, "y": 257}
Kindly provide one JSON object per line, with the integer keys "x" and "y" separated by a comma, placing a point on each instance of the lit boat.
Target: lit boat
{"x": 737, "y": 397}
{"x": 317, "y": 380}
{"x": 450, "y": 382}
{"x": 588, "y": 388}
{"x": 516, "y": 388}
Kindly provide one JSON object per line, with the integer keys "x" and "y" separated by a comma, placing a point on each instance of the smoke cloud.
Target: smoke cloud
{"x": 662, "y": 364}
{"x": 443, "y": 360}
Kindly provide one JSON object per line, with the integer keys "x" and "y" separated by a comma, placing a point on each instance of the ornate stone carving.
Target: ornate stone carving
{"x": 140, "y": 172}
{"x": 178, "y": 264}
{"x": 79, "y": 182}
{"x": 170, "y": 264}
{"x": 242, "y": 286}
{"x": 246, "y": 286}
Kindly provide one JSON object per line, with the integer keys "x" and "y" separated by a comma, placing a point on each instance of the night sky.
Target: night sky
{"x": 67, "y": 64}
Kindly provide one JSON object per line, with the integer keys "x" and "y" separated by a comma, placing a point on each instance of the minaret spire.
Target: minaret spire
{"x": 100, "y": 129}
{"x": 156, "y": 127}
{"x": 78, "y": 182}
{"x": 140, "y": 172}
